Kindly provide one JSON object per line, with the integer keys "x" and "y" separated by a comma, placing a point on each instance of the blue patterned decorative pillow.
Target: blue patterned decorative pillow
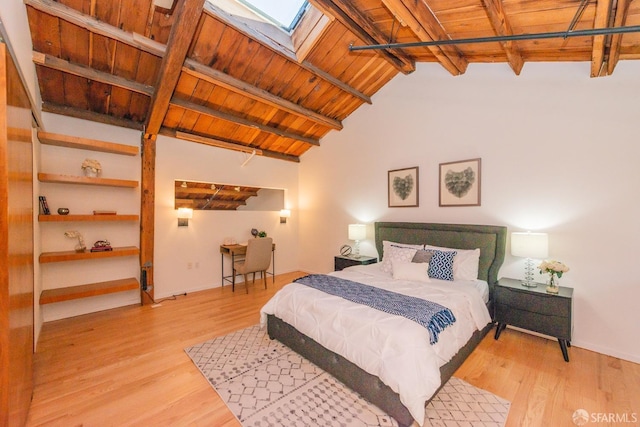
{"x": 441, "y": 264}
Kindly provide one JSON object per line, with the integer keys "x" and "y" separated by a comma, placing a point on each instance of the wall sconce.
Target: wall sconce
{"x": 529, "y": 245}
{"x": 357, "y": 232}
{"x": 284, "y": 214}
{"x": 184, "y": 215}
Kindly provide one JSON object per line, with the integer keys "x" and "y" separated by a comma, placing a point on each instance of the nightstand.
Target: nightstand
{"x": 534, "y": 309}
{"x": 341, "y": 262}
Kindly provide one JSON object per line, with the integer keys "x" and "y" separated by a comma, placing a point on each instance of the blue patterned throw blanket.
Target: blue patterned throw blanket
{"x": 431, "y": 315}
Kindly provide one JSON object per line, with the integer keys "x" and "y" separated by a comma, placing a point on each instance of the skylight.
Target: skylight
{"x": 283, "y": 13}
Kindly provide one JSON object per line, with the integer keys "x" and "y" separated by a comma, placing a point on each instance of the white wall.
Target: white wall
{"x": 198, "y": 245}
{"x": 559, "y": 154}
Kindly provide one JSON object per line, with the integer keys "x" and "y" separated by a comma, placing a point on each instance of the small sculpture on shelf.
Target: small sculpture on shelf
{"x": 101, "y": 246}
{"x": 91, "y": 167}
{"x": 80, "y": 247}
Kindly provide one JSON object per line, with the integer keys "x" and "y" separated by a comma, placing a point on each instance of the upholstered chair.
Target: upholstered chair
{"x": 257, "y": 259}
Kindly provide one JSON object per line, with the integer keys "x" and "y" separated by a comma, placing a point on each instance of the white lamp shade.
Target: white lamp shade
{"x": 357, "y": 231}
{"x": 530, "y": 245}
{"x": 285, "y": 213}
{"x": 185, "y": 213}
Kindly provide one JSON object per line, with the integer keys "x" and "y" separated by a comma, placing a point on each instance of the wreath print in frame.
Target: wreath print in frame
{"x": 403, "y": 187}
{"x": 460, "y": 183}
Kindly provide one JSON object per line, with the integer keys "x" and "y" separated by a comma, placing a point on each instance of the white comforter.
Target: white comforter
{"x": 395, "y": 349}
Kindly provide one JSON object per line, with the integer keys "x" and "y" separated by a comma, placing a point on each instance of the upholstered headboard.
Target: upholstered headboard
{"x": 490, "y": 239}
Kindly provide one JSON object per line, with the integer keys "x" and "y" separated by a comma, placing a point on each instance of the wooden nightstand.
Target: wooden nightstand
{"x": 534, "y": 309}
{"x": 342, "y": 262}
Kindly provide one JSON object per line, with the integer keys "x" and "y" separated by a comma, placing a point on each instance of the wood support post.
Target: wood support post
{"x": 147, "y": 214}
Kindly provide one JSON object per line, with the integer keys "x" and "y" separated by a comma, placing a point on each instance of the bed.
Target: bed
{"x": 352, "y": 370}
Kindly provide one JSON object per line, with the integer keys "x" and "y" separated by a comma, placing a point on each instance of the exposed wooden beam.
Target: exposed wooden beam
{"x": 502, "y": 27}
{"x": 601, "y": 20}
{"x": 186, "y": 17}
{"x": 229, "y": 20}
{"x": 96, "y": 26}
{"x": 228, "y": 145}
{"x": 90, "y": 73}
{"x": 219, "y": 78}
{"x": 620, "y": 20}
{"x": 90, "y": 115}
{"x": 356, "y": 22}
{"x": 192, "y": 67}
{"x": 217, "y": 192}
{"x": 424, "y": 24}
{"x": 201, "y": 109}
{"x": 225, "y": 205}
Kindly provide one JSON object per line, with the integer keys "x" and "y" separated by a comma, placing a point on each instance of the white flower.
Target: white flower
{"x": 553, "y": 267}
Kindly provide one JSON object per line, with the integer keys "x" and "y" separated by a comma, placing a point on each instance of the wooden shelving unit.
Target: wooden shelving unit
{"x": 86, "y": 144}
{"x": 89, "y": 290}
{"x": 85, "y": 180}
{"x": 88, "y": 218}
{"x": 47, "y": 257}
{"x": 68, "y": 293}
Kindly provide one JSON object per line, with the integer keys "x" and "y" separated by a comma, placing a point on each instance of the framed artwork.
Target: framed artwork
{"x": 403, "y": 188}
{"x": 460, "y": 183}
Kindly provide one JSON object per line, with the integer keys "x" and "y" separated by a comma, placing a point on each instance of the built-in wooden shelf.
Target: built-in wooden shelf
{"x": 85, "y": 180}
{"x": 47, "y": 257}
{"x": 86, "y": 144}
{"x": 89, "y": 218}
{"x": 89, "y": 290}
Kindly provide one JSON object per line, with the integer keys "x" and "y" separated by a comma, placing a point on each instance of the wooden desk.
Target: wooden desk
{"x": 237, "y": 253}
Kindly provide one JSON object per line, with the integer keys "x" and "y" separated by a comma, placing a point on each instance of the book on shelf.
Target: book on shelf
{"x": 105, "y": 212}
{"x": 101, "y": 249}
{"x": 44, "y": 206}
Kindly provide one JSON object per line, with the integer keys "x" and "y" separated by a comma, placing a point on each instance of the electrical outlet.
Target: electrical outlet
{"x": 189, "y": 265}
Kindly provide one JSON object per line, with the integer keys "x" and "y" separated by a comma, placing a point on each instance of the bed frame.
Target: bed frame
{"x": 490, "y": 239}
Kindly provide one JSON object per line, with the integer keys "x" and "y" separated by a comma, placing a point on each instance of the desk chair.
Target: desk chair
{"x": 257, "y": 259}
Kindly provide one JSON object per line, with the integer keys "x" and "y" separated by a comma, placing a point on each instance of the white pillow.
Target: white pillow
{"x": 416, "y": 271}
{"x": 393, "y": 252}
{"x": 465, "y": 264}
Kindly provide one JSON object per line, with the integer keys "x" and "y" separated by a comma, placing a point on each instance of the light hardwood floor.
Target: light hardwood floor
{"x": 127, "y": 366}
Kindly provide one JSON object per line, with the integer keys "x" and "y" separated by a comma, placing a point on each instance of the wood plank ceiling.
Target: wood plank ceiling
{"x": 200, "y": 73}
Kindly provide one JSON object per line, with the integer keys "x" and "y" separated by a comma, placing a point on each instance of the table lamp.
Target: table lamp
{"x": 530, "y": 246}
{"x": 357, "y": 232}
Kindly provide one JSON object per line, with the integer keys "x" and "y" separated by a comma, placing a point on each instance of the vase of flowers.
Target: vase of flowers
{"x": 555, "y": 270}
{"x": 91, "y": 168}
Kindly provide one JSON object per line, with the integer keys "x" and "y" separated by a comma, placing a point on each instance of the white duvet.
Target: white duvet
{"x": 391, "y": 347}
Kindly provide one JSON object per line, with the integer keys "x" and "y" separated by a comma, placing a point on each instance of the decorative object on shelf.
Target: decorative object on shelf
{"x": 262, "y": 234}
{"x": 91, "y": 167}
{"x": 530, "y": 246}
{"x": 555, "y": 270}
{"x": 63, "y": 211}
{"x": 80, "y": 247}
{"x": 44, "y": 207}
{"x": 460, "y": 183}
{"x": 357, "y": 232}
{"x": 284, "y": 214}
{"x": 101, "y": 246}
{"x": 184, "y": 215}
{"x": 345, "y": 250}
{"x": 403, "y": 187}
{"x": 254, "y": 232}
{"x": 105, "y": 212}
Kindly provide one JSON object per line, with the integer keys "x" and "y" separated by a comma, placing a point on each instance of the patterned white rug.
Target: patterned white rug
{"x": 264, "y": 383}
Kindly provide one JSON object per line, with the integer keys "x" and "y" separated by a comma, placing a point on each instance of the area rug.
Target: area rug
{"x": 264, "y": 383}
